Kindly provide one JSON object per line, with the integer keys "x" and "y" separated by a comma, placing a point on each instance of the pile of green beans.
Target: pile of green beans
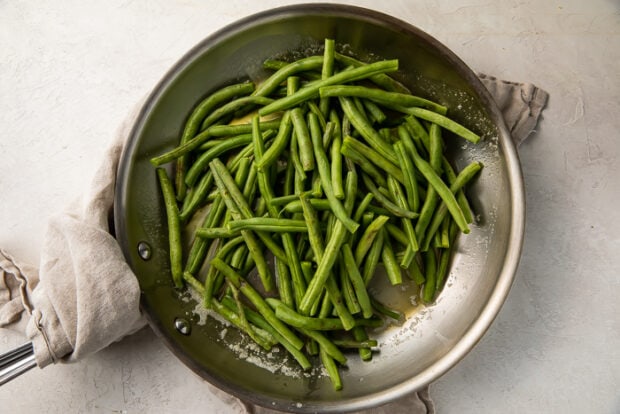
{"x": 334, "y": 169}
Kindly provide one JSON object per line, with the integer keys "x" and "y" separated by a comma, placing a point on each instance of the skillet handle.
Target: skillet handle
{"x": 16, "y": 362}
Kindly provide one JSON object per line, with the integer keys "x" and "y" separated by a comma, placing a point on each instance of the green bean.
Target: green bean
{"x": 388, "y": 99}
{"x": 279, "y": 143}
{"x": 371, "y": 136}
{"x": 304, "y": 141}
{"x": 362, "y": 206}
{"x": 357, "y": 281}
{"x": 367, "y": 238}
{"x": 292, "y": 318}
{"x": 430, "y": 269}
{"x": 273, "y": 225}
{"x": 411, "y": 185}
{"x": 384, "y": 310}
{"x": 392, "y": 268}
{"x": 419, "y": 133}
{"x": 376, "y": 114}
{"x": 385, "y": 202}
{"x": 460, "y": 195}
{"x": 415, "y": 273}
{"x": 324, "y": 267}
{"x": 258, "y": 320}
{"x": 232, "y": 107}
{"x": 324, "y": 172}
{"x": 257, "y": 300}
{"x": 374, "y": 157}
{"x": 203, "y": 161}
{"x": 364, "y": 163}
{"x": 312, "y": 91}
{"x": 442, "y": 190}
{"x": 397, "y": 234}
{"x": 413, "y": 245}
{"x": 195, "y": 119}
{"x": 331, "y": 368}
{"x": 174, "y": 227}
{"x": 346, "y": 287}
{"x": 327, "y": 71}
{"x": 202, "y": 138}
{"x": 348, "y": 343}
{"x": 216, "y": 233}
{"x": 459, "y": 182}
{"x": 243, "y": 208}
{"x": 442, "y": 121}
{"x": 336, "y": 167}
{"x": 314, "y": 232}
{"x": 301, "y": 65}
{"x": 300, "y": 173}
{"x": 225, "y": 183}
{"x": 291, "y": 291}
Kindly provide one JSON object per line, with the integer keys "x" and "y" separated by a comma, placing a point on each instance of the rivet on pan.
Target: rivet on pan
{"x": 182, "y": 326}
{"x": 144, "y": 250}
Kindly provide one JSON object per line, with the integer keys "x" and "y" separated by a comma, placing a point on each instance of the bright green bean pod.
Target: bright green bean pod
{"x": 413, "y": 245}
{"x": 273, "y": 225}
{"x": 216, "y": 233}
{"x": 459, "y": 182}
{"x": 243, "y": 208}
{"x": 304, "y": 142}
{"x": 386, "y": 98}
{"x": 364, "y": 163}
{"x": 392, "y": 268}
{"x": 430, "y": 270}
{"x": 324, "y": 172}
{"x": 361, "y": 338}
{"x": 460, "y": 195}
{"x": 336, "y": 167}
{"x": 372, "y": 258}
{"x": 442, "y": 121}
{"x": 367, "y": 238}
{"x": 193, "y": 125}
{"x": 257, "y": 300}
{"x": 357, "y": 281}
{"x": 226, "y": 183}
{"x": 375, "y": 158}
{"x": 174, "y": 227}
{"x": 291, "y": 292}
{"x": 383, "y": 80}
{"x": 442, "y": 190}
{"x": 279, "y": 143}
{"x": 312, "y": 91}
{"x": 331, "y": 368}
{"x": 258, "y": 320}
{"x": 346, "y": 287}
{"x": 371, "y": 136}
{"x": 327, "y": 70}
{"x": 411, "y": 184}
{"x": 203, "y": 161}
{"x": 234, "y": 106}
{"x": 301, "y": 65}
{"x": 386, "y": 202}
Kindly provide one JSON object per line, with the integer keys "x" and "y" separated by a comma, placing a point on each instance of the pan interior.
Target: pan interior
{"x": 433, "y": 338}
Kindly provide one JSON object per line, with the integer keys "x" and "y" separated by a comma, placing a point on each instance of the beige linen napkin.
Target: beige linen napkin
{"x": 84, "y": 296}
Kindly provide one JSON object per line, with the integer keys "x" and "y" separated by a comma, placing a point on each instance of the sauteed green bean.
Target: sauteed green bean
{"x": 336, "y": 170}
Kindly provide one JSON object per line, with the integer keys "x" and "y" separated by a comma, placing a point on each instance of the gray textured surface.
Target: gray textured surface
{"x": 71, "y": 70}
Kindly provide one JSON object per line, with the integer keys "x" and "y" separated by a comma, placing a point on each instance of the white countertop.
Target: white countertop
{"x": 71, "y": 70}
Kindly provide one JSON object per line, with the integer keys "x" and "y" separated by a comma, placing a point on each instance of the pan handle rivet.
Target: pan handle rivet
{"x": 144, "y": 250}
{"x": 183, "y": 326}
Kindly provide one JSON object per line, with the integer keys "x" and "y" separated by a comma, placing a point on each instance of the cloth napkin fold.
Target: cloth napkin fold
{"x": 83, "y": 296}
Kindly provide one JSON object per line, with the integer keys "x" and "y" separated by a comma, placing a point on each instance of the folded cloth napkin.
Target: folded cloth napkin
{"x": 84, "y": 296}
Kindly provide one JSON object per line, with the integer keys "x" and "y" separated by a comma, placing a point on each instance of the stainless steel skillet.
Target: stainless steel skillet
{"x": 433, "y": 339}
